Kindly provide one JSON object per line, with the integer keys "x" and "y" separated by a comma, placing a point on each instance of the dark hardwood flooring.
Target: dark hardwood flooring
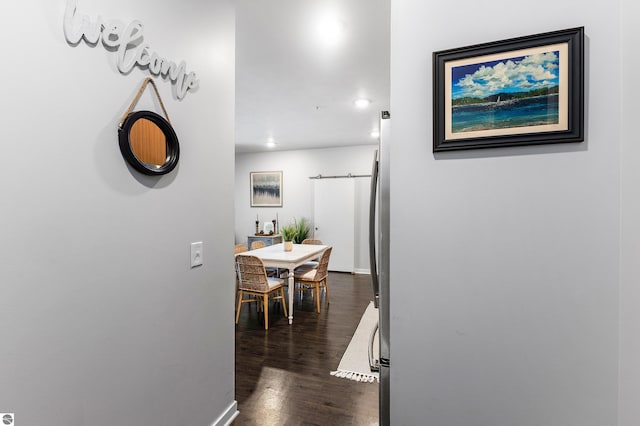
{"x": 282, "y": 374}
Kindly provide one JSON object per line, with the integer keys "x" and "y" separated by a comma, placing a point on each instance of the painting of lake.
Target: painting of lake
{"x": 508, "y": 93}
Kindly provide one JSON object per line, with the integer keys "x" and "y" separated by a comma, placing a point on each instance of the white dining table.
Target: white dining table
{"x": 275, "y": 257}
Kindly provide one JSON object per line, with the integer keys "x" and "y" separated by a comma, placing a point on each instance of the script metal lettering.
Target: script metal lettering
{"x": 128, "y": 43}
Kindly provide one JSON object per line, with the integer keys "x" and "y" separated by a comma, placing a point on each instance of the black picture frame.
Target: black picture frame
{"x": 520, "y": 91}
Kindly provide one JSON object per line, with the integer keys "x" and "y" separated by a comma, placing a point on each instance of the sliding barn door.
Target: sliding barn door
{"x": 334, "y": 220}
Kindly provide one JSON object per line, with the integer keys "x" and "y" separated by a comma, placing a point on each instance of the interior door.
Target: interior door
{"x": 334, "y": 220}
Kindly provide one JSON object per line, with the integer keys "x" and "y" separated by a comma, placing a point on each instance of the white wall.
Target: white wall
{"x": 297, "y": 167}
{"x": 514, "y": 320}
{"x": 102, "y": 320}
{"x": 630, "y": 221}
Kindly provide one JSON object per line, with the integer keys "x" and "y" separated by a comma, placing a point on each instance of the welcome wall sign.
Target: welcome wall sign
{"x": 127, "y": 41}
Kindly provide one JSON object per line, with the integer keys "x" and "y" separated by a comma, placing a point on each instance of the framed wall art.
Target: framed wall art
{"x": 522, "y": 91}
{"x": 266, "y": 189}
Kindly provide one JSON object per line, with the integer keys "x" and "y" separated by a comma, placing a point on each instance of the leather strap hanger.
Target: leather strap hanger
{"x": 137, "y": 97}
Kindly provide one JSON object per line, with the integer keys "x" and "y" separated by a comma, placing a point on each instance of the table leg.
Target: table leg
{"x": 291, "y": 291}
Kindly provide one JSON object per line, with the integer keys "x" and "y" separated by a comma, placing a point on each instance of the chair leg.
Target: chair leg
{"x": 284, "y": 304}
{"x": 318, "y": 296}
{"x": 265, "y": 299}
{"x": 326, "y": 289}
{"x": 301, "y": 287}
{"x": 239, "y": 306}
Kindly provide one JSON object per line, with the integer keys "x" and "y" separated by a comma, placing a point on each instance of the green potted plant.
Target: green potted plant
{"x": 303, "y": 230}
{"x": 288, "y": 235}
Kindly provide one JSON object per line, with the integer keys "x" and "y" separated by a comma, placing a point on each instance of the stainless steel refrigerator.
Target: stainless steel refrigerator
{"x": 379, "y": 262}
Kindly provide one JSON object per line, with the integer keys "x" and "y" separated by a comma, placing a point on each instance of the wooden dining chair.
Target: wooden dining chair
{"x": 272, "y": 272}
{"x": 239, "y": 248}
{"x": 311, "y": 263}
{"x": 257, "y": 245}
{"x": 315, "y": 278}
{"x": 311, "y": 241}
{"x": 253, "y": 281}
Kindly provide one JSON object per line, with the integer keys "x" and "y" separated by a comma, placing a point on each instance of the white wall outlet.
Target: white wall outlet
{"x": 196, "y": 254}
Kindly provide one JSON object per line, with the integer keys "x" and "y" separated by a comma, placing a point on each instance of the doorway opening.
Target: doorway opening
{"x": 296, "y": 113}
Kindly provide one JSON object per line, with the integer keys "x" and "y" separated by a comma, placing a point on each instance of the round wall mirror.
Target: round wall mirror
{"x": 149, "y": 143}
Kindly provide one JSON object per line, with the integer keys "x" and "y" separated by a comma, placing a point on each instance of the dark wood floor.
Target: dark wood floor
{"x": 282, "y": 374}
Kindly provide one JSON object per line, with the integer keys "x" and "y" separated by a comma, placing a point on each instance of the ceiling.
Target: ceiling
{"x": 297, "y": 85}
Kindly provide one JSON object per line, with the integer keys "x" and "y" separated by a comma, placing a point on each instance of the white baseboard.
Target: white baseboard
{"x": 228, "y": 416}
{"x": 362, "y": 271}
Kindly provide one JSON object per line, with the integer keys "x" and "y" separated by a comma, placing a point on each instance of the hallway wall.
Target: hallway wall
{"x": 102, "y": 319}
{"x": 516, "y": 322}
{"x": 630, "y": 219}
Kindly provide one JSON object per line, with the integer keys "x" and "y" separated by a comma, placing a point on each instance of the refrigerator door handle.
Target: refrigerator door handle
{"x": 372, "y": 232}
{"x": 374, "y": 364}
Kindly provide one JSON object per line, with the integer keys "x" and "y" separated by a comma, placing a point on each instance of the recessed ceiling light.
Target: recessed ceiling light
{"x": 362, "y": 102}
{"x": 375, "y": 134}
{"x": 330, "y": 30}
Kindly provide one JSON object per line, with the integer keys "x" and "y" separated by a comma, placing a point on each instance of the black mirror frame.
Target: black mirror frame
{"x": 173, "y": 147}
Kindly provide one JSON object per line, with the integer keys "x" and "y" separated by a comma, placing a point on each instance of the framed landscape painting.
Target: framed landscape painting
{"x": 521, "y": 91}
{"x": 266, "y": 189}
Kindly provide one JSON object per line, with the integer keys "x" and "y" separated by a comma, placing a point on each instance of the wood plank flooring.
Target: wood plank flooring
{"x": 282, "y": 374}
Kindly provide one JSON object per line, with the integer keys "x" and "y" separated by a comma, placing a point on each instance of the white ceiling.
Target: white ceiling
{"x": 293, "y": 86}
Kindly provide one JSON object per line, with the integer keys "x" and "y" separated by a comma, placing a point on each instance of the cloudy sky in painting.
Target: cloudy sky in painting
{"x": 519, "y": 74}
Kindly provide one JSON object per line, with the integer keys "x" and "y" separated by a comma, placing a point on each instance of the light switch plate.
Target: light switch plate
{"x": 196, "y": 254}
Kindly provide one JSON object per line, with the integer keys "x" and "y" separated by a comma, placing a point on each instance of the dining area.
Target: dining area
{"x": 298, "y": 312}
{"x": 263, "y": 271}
